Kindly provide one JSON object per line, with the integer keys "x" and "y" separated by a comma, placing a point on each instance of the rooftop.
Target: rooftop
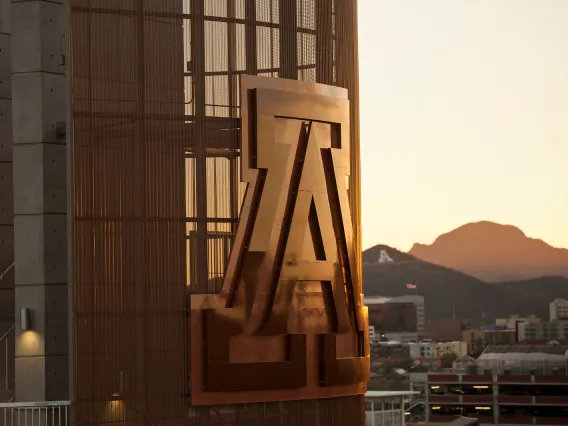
{"x": 555, "y": 349}
{"x": 412, "y": 298}
{"x": 388, "y": 394}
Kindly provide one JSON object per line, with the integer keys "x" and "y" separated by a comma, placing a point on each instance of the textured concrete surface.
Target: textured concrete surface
{"x": 38, "y": 94}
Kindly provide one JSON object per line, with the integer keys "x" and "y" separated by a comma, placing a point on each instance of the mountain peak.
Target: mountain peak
{"x": 494, "y": 252}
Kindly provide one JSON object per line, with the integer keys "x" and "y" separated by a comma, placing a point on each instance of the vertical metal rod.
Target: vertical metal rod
{"x": 6, "y": 352}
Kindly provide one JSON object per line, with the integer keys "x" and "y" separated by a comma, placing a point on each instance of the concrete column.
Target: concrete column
{"x": 39, "y": 173}
{"x": 6, "y": 210}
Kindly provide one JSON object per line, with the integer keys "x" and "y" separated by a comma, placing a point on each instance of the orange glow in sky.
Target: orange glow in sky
{"x": 464, "y": 112}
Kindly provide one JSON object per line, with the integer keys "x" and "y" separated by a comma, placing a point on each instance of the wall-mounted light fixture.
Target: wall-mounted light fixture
{"x": 117, "y": 396}
{"x": 26, "y": 319}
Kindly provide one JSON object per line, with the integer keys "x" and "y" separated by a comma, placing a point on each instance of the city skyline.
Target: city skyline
{"x": 463, "y": 108}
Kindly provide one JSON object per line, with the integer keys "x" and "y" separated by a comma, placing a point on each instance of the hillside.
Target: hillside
{"x": 494, "y": 253}
{"x": 475, "y": 301}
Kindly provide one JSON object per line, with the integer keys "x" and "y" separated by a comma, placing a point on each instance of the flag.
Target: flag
{"x": 411, "y": 286}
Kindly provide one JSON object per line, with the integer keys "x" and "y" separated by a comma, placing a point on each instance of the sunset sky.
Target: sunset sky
{"x": 464, "y": 109}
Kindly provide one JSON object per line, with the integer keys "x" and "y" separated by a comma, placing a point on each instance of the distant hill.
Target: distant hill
{"x": 475, "y": 300}
{"x": 494, "y": 253}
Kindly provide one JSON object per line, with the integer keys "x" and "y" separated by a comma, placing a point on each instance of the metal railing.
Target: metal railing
{"x": 46, "y": 413}
{"x": 6, "y": 270}
{"x": 5, "y": 371}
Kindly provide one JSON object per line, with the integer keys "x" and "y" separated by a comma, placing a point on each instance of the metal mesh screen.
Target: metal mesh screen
{"x": 156, "y": 186}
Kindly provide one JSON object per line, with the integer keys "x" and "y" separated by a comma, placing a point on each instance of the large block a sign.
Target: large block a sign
{"x": 289, "y": 322}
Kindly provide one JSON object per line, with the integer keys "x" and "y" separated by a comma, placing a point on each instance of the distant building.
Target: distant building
{"x": 513, "y": 320}
{"x": 372, "y": 333}
{"x": 445, "y": 330}
{"x": 402, "y": 337}
{"x": 545, "y": 359}
{"x": 414, "y": 299}
{"x": 553, "y": 330}
{"x": 389, "y": 318}
{"x": 559, "y": 309}
{"x": 517, "y": 323}
{"x": 474, "y": 339}
{"x": 464, "y": 362}
{"x": 508, "y": 384}
{"x": 500, "y": 336}
{"x": 389, "y": 350}
{"x": 422, "y": 350}
{"x": 457, "y": 348}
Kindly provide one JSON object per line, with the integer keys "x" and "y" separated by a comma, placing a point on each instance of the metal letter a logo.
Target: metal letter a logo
{"x": 290, "y": 317}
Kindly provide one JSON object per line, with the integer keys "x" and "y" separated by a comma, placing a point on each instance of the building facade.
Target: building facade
{"x": 558, "y": 309}
{"x": 475, "y": 340}
{"x": 138, "y": 220}
{"x": 390, "y": 319}
{"x": 414, "y": 299}
{"x": 512, "y": 322}
{"x": 507, "y": 384}
{"x": 445, "y": 330}
{"x": 457, "y": 348}
{"x": 498, "y": 399}
{"x": 499, "y": 336}
{"x": 553, "y": 330}
{"x": 422, "y": 350}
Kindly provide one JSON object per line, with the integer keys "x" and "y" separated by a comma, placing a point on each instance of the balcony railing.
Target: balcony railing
{"x": 47, "y": 413}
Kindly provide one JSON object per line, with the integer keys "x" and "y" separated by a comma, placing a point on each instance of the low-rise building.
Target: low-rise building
{"x": 553, "y": 330}
{"x": 499, "y": 336}
{"x": 558, "y": 309}
{"x": 389, "y": 350}
{"x": 457, "y": 348}
{"x": 389, "y": 408}
{"x": 515, "y": 384}
{"x": 401, "y": 336}
{"x": 445, "y": 330}
{"x": 475, "y": 340}
{"x": 422, "y": 350}
{"x": 464, "y": 363}
{"x": 512, "y": 320}
{"x": 372, "y": 336}
{"x": 397, "y": 314}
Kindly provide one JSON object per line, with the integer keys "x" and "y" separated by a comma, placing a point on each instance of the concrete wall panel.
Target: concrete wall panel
{"x": 38, "y": 177}
{"x": 40, "y": 249}
{"x": 30, "y": 377}
{"x": 55, "y": 243}
{"x": 5, "y": 130}
{"x": 5, "y": 16}
{"x": 38, "y": 105}
{"x": 57, "y": 378}
{"x": 6, "y": 196}
{"x": 56, "y": 308}
{"x": 6, "y": 244}
{"x": 39, "y": 41}
{"x": 5, "y": 67}
{"x": 28, "y": 250}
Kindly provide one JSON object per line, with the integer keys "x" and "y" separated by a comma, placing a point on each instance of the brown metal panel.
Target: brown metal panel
{"x": 157, "y": 192}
